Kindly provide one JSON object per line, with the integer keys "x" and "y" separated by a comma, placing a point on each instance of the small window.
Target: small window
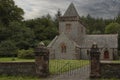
{"x": 68, "y": 27}
{"x": 63, "y": 48}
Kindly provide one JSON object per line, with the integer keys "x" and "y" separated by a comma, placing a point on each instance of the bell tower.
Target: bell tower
{"x": 70, "y": 24}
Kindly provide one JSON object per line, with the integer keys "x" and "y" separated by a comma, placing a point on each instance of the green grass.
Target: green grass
{"x": 116, "y": 61}
{"x": 8, "y": 59}
{"x": 59, "y": 66}
{"x": 18, "y": 78}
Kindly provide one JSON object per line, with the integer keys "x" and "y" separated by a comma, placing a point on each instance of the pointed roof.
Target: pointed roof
{"x": 71, "y": 11}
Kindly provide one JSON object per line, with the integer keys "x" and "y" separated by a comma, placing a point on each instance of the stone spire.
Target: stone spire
{"x": 71, "y": 11}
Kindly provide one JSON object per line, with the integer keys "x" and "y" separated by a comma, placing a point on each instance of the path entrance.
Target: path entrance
{"x": 69, "y": 69}
{"x": 77, "y": 74}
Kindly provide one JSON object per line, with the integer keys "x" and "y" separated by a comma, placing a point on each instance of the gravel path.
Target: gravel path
{"x": 78, "y": 74}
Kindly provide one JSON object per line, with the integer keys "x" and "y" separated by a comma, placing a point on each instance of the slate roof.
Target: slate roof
{"x": 103, "y": 41}
{"x": 71, "y": 11}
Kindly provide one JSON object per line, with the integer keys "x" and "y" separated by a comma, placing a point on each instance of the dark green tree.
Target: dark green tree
{"x": 44, "y": 28}
{"x": 22, "y": 36}
{"x": 8, "y": 49}
{"x": 10, "y": 12}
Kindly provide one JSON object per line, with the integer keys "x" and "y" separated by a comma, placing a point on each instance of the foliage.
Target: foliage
{"x": 95, "y": 25}
{"x": 4, "y": 33}
{"x": 44, "y": 28}
{"x": 22, "y": 35}
{"x": 113, "y": 28}
{"x": 26, "y": 54}
{"x": 10, "y": 12}
{"x": 8, "y": 49}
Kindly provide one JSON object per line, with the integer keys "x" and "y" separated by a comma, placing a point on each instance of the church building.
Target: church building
{"x": 73, "y": 42}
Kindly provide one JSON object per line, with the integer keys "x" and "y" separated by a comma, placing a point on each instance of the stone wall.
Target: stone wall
{"x": 18, "y": 68}
{"x": 38, "y": 68}
{"x": 110, "y": 70}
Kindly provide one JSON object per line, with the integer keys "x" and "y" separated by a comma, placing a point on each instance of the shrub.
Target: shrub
{"x": 8, "y": 49}
{"x": 26, "y": 54}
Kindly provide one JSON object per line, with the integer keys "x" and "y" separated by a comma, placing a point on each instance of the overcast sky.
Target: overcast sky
{"x": 96, "y": 8}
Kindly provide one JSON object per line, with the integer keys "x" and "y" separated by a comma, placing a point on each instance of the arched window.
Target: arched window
{"x": 106, "y": 54}
{"x": 63, "y": 48}
{"x": 68, "y": 27}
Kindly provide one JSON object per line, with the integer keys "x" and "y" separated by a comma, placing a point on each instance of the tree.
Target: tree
{"x": 10, "y": 12}
{"x": 117, "y": 18}
{"x": 44, "y": 28}
{"x": 112, "y": 28}
{"x": 8, "y": 49}
{"x": 21, "y": 35}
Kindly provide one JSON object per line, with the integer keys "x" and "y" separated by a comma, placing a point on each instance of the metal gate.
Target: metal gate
{"x": 70, "y": 69}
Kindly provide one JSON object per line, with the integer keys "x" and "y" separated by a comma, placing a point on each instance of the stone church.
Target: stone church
{"x": 73, "y": 42}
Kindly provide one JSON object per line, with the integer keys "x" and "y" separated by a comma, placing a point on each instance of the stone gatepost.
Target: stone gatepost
{"x": 95, "y": 62}
{"x": 42, "y": 60}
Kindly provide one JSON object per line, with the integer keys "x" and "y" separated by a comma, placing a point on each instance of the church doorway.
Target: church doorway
{"x": 106, "y": 54}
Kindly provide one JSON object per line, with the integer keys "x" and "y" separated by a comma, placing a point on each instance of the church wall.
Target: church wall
{"x": 116, "y": 56}
{"x": 75, "y": 32}
{"x": 110, "y": 55}
{"x": 84, "y": 54}
{"x": 70, "y": 49}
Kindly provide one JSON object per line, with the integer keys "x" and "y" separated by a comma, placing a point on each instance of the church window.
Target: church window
{"x": 68, "y": 27}
{"x": 63, "y": 48}
{"x": 106, "y": 55}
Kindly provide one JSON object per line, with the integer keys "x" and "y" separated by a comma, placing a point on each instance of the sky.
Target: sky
{"x": 96, "y": 8}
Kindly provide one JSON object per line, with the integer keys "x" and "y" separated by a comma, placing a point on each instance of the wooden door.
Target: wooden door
{"x": 106, "y": 55}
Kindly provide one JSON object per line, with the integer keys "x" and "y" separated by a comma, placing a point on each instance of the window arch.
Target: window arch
{"x": 63, "y": 48}
{"x": 68, "y": 27}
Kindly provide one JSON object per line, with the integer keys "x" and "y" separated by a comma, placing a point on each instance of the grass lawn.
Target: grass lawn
{"x": 116, "y": 61}
{"x": 18, "y": 78}
{"x": 15, "y": 60}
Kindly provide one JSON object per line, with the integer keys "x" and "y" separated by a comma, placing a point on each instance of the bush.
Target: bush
{"x": 26, "y": 54}
{"x": 8, "y": 49}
